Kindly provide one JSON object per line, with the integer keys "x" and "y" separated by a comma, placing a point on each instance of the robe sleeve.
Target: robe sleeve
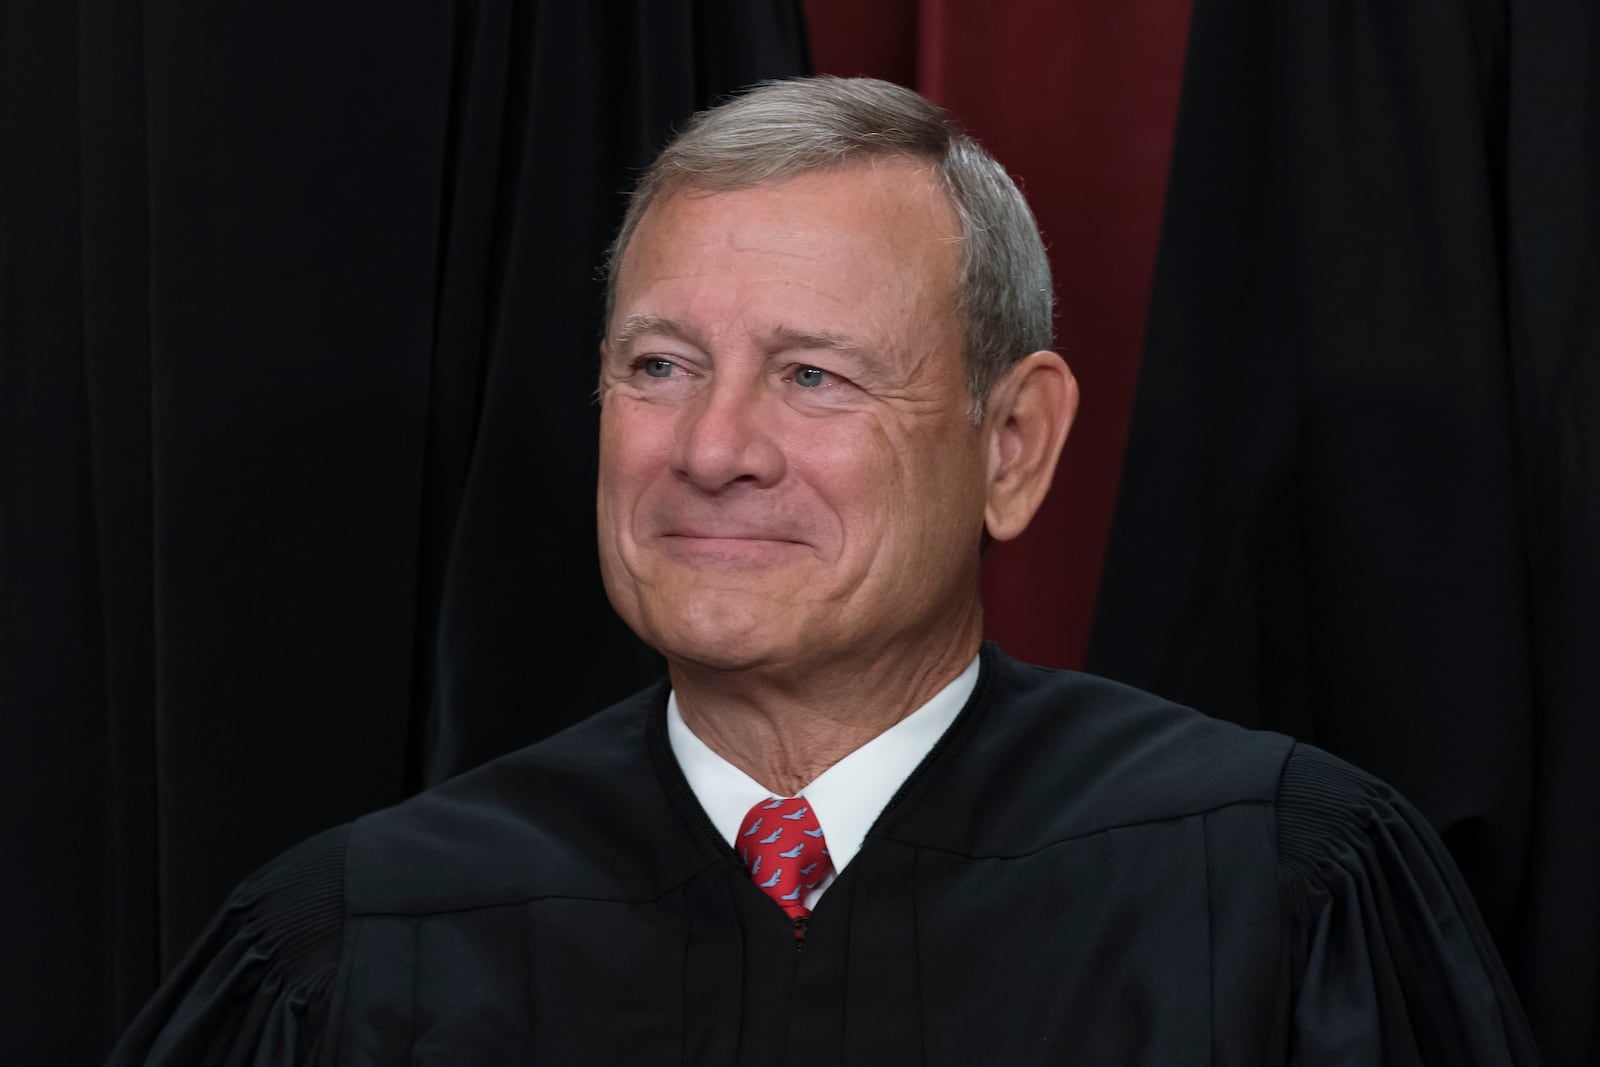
{"x": 256, "y": 987}
{"x": 1392, "y": 965}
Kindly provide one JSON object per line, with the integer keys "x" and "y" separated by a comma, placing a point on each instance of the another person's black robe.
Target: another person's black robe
{"x": 1078, "y": 873}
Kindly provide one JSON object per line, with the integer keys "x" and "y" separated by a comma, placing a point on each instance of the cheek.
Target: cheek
{"x": 939, "y": 493}
{"x": 635, "y": 443}
{"x": 860, "y": 473}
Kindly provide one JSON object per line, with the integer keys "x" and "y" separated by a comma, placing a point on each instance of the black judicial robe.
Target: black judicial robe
{"x": 1078, "y": 873}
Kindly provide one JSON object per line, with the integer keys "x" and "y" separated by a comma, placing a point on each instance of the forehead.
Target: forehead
{"x": 877, "y": 238}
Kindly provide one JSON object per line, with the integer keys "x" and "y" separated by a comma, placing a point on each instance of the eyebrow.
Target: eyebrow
{"x": 636, "y": 326}
{"x": 789, "y": 338}
{"x": 785, "y": 338}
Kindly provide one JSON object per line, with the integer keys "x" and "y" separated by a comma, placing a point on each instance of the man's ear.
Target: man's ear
{"x": 1028, "y": 415}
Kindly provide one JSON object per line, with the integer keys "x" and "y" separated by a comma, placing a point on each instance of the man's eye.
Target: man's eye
{"x": 658, "y": 368}
{"x": 810, "y": 377}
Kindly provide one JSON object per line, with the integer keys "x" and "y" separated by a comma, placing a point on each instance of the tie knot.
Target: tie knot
{"x": 781, "y": 844}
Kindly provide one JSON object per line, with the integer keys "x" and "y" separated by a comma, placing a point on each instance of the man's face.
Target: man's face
{"x": 788, "y": 473}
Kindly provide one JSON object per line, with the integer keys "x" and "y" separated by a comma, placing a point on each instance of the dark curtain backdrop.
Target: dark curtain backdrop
{"x": 298, "y": 307}
{"x": 1361, "y": 501}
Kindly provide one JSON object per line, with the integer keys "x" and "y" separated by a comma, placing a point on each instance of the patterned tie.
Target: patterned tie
{"x": 782, "y": 845}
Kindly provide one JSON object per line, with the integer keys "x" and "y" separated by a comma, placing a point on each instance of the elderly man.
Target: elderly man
{"x": 844, "y": 830}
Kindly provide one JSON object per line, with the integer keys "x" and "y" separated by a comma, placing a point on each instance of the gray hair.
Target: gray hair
{"x": 781, "y": 130}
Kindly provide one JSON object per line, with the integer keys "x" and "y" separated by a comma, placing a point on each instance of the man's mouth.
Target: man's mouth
{"x": 724, "y": 545}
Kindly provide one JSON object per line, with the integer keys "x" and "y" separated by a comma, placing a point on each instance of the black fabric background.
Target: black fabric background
{"x": 298, "y": 305}
{"x": 1361, "y": 501}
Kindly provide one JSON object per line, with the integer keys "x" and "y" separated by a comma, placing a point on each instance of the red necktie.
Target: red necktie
{"x": 781, "y": 844}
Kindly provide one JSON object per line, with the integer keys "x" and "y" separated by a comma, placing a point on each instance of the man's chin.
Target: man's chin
{"x": 712, "y": 649}
{"x": 707, "y": 659}
{"x": 724, "y": 633}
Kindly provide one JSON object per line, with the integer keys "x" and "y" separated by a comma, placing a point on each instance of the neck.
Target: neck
{"x": 785, "y": 727}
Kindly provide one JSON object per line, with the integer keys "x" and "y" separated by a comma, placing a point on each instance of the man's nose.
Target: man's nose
{"x": 727, "y": 436}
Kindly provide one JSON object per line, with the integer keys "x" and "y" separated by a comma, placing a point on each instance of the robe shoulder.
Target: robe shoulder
{"x": 1042, "y": 756}
{"x": 256, "y": 987}
{"x": 579, "y": 814}
{"x": 1391, "y": 960}
{"x": 1387, "y": 957}
{"x": 558, "y": 818}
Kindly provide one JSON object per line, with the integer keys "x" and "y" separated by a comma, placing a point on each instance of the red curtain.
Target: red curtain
{"x": 1079, "y": 102}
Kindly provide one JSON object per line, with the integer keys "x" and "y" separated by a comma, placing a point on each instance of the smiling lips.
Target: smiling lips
{"x": 725, "y": 533}
{"x": 718, "y": 544}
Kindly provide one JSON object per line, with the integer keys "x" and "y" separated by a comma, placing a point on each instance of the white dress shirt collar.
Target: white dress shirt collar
{"x": 848, "y": 796}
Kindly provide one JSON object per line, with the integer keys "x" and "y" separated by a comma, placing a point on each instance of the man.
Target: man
{"x": 845, "y": 832}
